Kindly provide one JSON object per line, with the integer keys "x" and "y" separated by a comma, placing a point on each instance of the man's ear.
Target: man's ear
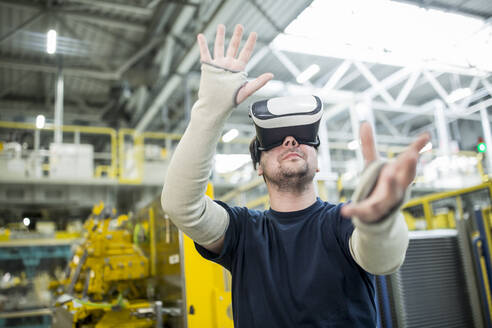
{"x": 260, "y": 169}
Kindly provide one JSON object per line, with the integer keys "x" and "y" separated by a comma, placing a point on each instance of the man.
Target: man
{"x": 303, "y": 263}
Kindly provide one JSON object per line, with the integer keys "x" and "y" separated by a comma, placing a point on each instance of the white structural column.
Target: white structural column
{"x": 324, "y": 148}
{"x": 442, "y": 128}
{"x": 37, "y": 139}
{"x": 487, "y": 136}
{"x": 59, "y": 107}
{"x": 365, "y": 113}
{"x": 354, "y": 119}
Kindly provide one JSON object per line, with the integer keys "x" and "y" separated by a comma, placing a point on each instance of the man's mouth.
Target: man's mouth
{"x": 291, "y": 155}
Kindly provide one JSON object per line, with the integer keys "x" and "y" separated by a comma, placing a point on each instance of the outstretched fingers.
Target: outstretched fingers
{"x": 203, "y": 46}
{"x": 367, "y": 143}
{"x": 248, "y": 48}
{"x": 252, "y": 86}
{"x": 387, "y": 192}
{"x": 219, "y": 42}
{"x": 235, "y": 41}
{"x": 407, "y": 161}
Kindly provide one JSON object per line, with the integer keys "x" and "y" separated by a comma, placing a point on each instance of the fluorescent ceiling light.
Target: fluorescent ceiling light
{"x": 427, "y": 147}
{"x": 51, "y": 42}
{"x": 307, "y": 74}
{"x": 459, "y": 94}
{"x": 353, "y": 145}
{"x": 230, "y": 135}
{"x": 389, "y": 32}
{"x": 230, "y": 162}
{"x": 40, "y": 121}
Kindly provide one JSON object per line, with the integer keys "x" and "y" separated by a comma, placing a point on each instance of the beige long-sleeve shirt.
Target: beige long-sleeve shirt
{"x": 379, "y": 248}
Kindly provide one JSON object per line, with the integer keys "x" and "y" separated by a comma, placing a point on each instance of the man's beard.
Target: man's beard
{"x": 287, "y": 179}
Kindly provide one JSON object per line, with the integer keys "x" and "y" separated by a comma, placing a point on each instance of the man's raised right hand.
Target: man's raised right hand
{"x": 231, "y": 60}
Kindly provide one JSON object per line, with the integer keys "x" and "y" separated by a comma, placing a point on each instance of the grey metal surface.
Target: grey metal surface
{"x": 472, "y": 286}
{"x": 430, "y": 288}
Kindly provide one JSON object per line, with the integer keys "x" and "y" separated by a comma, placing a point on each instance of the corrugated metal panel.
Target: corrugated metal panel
{"x": 429, "y": 289}
{"x": 483, "y": 6}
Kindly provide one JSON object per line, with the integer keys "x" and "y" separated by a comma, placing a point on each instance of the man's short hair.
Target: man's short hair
{"x": 254, "y": 152}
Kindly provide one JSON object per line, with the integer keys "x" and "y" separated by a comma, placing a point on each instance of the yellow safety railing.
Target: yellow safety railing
{"x": 111, "y": 170}
{"x": 444, "y": 219}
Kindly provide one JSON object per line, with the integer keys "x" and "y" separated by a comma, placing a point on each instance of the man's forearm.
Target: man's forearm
{"x": 380, "y": 247}
{"x": 189, "y": 170}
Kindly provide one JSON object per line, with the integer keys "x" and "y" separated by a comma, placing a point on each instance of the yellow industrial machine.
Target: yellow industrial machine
{"x": 105, "y": 276}
{"x": 141, "y": 271}
{"x": 196, "y": 289}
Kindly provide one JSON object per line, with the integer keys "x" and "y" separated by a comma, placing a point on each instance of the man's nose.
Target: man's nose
{"x": 290, "y": 142}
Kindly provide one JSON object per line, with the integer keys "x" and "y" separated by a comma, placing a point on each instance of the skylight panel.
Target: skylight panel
{"x": 389, "y": 32}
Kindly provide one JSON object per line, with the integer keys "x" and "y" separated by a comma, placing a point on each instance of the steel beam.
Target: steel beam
{"x": 137, "y": 56}
{"x": 337, "y": 75}
{"x": 179, "y": 25}
{"x": 167, "y": 57}
{"x": 31, "y": 66}
{"x": 443, "y": 6}
{"x": 388, "y": 83}
{"x": 129, "y": 9}
{"x": 381, "y": 90}
{"x": 337, "y": 135}
{"x": 31, "y": 110}
{"x": 22, "y": 5}
{"x": 288, "y": 64}
{"x": 25, "y": 24}
{"x": 387, "y": 123}
{"x": 256, "y": 58}
{"x": 476, "y": 107}
{"x": 73, "y": 33}
{"x": 99, "y": 19}
{"x": 439, "y": 89}
{"x": 107, "y": 21}
{"x": 15, "y": 85}
{"x": 407, "y": 88}
{"x": 487, "y": 86}
{"x": 120, "y": 38}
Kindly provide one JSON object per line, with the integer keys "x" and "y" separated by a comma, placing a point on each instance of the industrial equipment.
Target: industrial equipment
{"x": 445, "y": 279}
{"x": 105, "y": 276}
{"x": 141, "y": 271}
{"x": 29, "y": 260}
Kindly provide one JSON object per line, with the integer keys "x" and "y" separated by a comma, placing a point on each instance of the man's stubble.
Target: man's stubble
{"x": 289, "y": 179}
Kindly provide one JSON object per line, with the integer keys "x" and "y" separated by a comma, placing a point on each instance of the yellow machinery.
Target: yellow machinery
{"x": 141, "y": 271}
{"x": 198, "y": 289}
{"x": 106, "y": 280}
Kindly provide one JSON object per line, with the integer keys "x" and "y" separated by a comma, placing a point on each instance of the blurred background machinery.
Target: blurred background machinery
{"x": 140, "y": 271}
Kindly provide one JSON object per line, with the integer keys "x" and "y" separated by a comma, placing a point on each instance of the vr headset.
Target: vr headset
{"x": 277, "y": 118}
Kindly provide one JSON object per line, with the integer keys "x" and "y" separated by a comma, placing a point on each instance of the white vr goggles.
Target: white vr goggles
{"x": 277, "y": 118}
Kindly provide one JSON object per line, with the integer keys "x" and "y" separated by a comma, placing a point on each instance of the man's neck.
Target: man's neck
{"x": 286, "y": 201}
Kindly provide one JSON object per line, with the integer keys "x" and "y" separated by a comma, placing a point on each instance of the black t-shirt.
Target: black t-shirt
{"x": 294, "y": 269}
